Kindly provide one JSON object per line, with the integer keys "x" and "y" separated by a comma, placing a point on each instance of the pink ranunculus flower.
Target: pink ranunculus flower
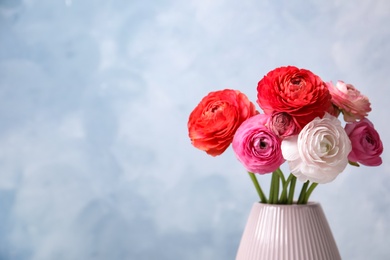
{"x": 320, "y": 152}
{"x": 366, "y": 143}
{"x": 283, "y": 124}
{"x": 256, "y": 146}
{"x": 349, "y": 100}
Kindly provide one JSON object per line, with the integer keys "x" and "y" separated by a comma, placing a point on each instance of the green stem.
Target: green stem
{"x": 281, "y": 176}
{"x": 303, "y": 193}
{"x": 292, "y": 189}
{"x": 275, "y": 184}
{"x": 276, "y": 188}
{"x": 263, "y": 199}
{"x": 283, "y": 196}
{"x": 271, "y": 190}
{"x": 309, "y": 191}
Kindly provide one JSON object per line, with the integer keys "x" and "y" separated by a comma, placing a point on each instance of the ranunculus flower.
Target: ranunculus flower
{"x": 256, "y": 146}
{"x": 366, "y": 143}
{"x": 352, "y": 103}
{"x": 213, "y": 122}
{"x": 283, "y": 125}
{"x": 320, "y": 151}
{"x": 297, "y": 92}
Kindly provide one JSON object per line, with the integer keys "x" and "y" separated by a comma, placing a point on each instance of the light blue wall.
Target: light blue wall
{"x": 95, "y": 162}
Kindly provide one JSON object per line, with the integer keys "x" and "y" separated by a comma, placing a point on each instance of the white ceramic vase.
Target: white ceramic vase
{"x": 287, "y": 232}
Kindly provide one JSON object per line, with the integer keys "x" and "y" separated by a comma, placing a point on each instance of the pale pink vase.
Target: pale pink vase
{"x": 281, "y": 232}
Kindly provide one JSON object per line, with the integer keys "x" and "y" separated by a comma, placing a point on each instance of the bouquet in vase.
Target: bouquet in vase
{"x": 299, "y": 124}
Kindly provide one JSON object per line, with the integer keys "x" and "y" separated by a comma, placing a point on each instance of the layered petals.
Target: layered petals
{"x": 367, "y": 146}
{"x": 256, "y": 146}
{"x": 349, "y": 100}
{"x": 297, "y": 92}
{"x": 214, "y": 121}
{"x": 320, "y": 152}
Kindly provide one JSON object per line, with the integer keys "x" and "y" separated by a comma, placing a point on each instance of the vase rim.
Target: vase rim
{"x": 309, "y": 204}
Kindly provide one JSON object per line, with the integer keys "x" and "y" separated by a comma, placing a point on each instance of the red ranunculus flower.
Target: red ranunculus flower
{"x": 297, "y": 92}
{"x": 213, "y": 123}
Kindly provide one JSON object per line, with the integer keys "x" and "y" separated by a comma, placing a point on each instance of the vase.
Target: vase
{"x": 278, "y": 232}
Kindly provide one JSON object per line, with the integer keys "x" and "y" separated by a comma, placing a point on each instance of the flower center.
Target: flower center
{"x": 296, "y": 81}
{"x": 215, "y": 108}
{"x": 325, "y": 146}
{"x": 369, "y": 139}
{"x": 295, "y": 88}
{"x": 262, "y": 143}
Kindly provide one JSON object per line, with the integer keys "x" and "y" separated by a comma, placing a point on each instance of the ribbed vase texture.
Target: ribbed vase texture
{"x": 287, "y": 232}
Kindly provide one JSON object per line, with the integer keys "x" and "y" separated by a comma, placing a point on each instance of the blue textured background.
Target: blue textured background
{"x": 95, "y": 162}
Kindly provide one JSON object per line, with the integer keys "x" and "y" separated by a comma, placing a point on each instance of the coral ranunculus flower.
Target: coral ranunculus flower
{"x": 297, "y": 92}
{"x": 214, "y": 121}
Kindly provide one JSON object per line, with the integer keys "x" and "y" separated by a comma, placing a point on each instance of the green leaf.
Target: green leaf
{"x": 354, "y": 163}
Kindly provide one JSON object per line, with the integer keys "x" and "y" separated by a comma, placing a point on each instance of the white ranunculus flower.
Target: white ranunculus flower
{"x": 320, "y": 152}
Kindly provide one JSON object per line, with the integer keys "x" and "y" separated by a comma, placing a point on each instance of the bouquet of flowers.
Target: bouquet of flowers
{"x": 299, "y": 124}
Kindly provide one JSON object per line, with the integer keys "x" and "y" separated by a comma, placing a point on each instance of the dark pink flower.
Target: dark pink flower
{"x": 366, "y": 143}
{"x": 256, "y": 146}
{"x": 283, "y": 125}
